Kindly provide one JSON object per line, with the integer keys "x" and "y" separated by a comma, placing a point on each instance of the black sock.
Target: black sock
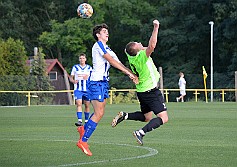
{"x": 153, "y": 124}
{"x": 137, "y": 116}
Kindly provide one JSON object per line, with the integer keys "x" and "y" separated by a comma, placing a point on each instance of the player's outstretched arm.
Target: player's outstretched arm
{"x": 121, "y": 67}
{"x": 153, "y": 38}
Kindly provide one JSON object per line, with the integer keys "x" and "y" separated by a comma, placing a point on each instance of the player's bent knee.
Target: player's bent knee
{"x": 165, "y": 119}
{"x": 147, "y": 120}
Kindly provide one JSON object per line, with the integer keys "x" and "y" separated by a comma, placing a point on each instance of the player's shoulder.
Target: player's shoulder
{"x": 75, "y": 65}
{"x": 141, "y": 55}
{"x": 100, "y": 45}
{"x": 97, "y": 44}
{"x": 88, "y": 66}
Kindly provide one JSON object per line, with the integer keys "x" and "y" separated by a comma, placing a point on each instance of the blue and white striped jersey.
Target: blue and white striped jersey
{"x": 101, "y": 66}
{"x": 78, "y": 72}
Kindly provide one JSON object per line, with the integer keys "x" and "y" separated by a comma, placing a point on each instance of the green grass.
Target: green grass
{"x": 197, "y": 135}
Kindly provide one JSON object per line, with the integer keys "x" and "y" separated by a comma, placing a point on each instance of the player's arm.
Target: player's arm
{"x": 117, "y": 64}
{"x": 153, "y": 38}
{"x": 71, "y": 78}
{"x": 121, "y": 67}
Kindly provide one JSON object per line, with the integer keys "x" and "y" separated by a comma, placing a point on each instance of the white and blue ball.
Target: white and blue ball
{"x": 85, "y": 10}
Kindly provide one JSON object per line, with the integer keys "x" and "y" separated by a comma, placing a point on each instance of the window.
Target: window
{"x": 53, "y": 75}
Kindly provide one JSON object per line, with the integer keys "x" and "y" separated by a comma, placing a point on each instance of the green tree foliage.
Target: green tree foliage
{"x": 39, "y": 78}
{"x": 13, "y": 70}
{"x": 184, "y": 35}
{"x": 69, "y": 38}
{"x": 13, "y": 57}
{"x": 128, "y": 21}
{"x": 183, "y": 41}
{"x": 225, "y": 13}
{"x": 26, "y": 20}
{"x": 65, "y": 40}
{"x": 38, "y": 71}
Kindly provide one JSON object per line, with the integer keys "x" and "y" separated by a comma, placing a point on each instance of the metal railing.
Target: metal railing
{"x": 166, "y": 92}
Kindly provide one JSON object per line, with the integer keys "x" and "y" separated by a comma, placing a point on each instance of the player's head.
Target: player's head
{"x": 132, "y": 48}
{"x": 100, "y": 32}
{"x": 82, "y": 58}
{"x": 181, "y": 74}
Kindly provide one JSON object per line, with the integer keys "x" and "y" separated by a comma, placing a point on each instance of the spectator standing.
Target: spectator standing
{"x": 182, "y": 87}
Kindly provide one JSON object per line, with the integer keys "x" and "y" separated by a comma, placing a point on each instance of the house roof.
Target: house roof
{"x": 50, "y": 63}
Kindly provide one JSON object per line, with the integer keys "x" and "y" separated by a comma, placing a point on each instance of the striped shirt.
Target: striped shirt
{"x": 101, "y": 66}
{"x": 78, "y": 72}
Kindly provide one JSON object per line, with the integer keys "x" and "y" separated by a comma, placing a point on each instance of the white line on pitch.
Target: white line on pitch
{"x": 152, "y": 152}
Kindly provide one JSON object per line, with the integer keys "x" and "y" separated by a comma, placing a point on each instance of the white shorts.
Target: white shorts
{"x": 183, "y": 92}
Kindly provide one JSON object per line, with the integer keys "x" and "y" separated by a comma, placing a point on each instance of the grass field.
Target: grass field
{"x": 197, "y": 135}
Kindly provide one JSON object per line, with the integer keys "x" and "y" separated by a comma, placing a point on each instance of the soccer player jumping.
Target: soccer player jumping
{"x": 102, "y": 57}
{"x": 149, "y": 96}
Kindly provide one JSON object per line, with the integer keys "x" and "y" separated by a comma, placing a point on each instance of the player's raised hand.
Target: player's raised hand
{"x": 156, "y": 23}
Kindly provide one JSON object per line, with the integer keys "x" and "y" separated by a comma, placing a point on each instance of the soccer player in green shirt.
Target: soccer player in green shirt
{"x": 150, "y": 97}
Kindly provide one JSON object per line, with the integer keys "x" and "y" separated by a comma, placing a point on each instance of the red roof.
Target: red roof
{"x": 50, "y": 63}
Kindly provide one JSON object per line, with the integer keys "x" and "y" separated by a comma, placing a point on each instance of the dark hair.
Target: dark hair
{"x": 97, "y": 30}
{"x": 82, "y": 54}
{"x": 130, "y": 50}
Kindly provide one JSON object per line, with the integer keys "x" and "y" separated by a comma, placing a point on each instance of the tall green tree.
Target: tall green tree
{"x": 39, "y": 79}
{"x": 184, "y": 35}
{"x": 26, "y": 20}
{"x": 13, "y": 71}
{"x": 68, "y": 38}
{"x": 13, "y": 57}
{"x": 128, "y": 20}
{"x": 38, "y": 71}
{"x": 183, "y": 41}
{"x": 225, "y": 14}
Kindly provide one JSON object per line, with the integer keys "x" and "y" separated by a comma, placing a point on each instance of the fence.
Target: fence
{"x": 117, "y": 94}
{"x": 195, "y": 92}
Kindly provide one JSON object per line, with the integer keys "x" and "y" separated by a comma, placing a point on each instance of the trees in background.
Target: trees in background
{"x": 68, "y": 39}
{"x": 13, "y": 57}
{"x": 184, "y": 37}
{"x": 16, "y": 75}
{"x": 13, "y": 70}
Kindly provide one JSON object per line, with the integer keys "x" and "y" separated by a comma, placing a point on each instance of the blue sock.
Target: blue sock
{"x": 85, "y": 126}
{"x": 89, "y": 129}
{"x": 86, "y": 115}
{"x": 79, "y": 115}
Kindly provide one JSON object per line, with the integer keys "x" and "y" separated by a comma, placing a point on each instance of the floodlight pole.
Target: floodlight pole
{"x": 35, "y": 51}
{"x": 211, "y": 23}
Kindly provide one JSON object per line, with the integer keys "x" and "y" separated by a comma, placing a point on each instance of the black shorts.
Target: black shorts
{"x": 151, "y": 101}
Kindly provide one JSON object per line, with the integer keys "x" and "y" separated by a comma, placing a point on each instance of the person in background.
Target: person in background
{"x": 182, "y": 87}
{"x": 102, "y": 57}
{"x": 79, "y": 77}
{"x": 149, "y": 96}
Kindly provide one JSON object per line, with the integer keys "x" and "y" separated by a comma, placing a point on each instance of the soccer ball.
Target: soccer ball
{"x": 85, "y": 10}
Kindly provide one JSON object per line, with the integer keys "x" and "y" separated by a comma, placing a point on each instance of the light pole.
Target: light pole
{"x": 35, "y": 51}
{"x": 211, "y": 23}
